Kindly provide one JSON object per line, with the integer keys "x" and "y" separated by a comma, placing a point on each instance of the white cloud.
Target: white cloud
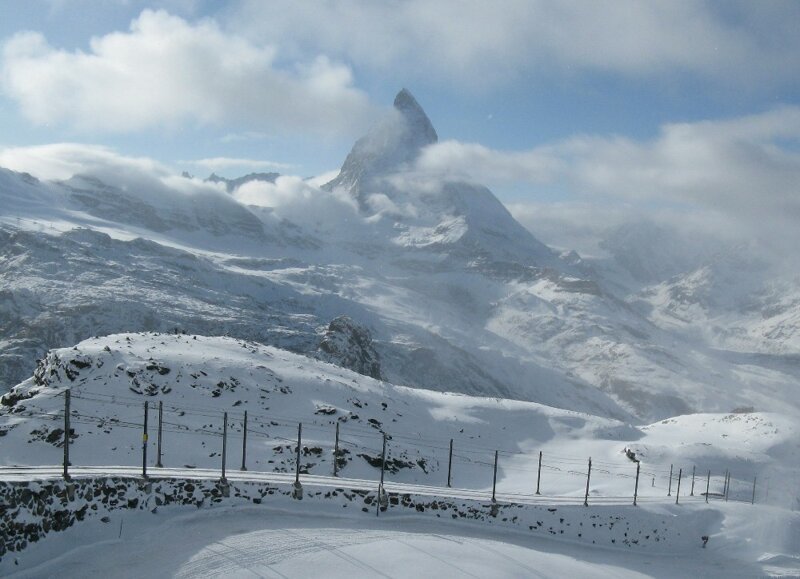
{"x": 61, "y": 161}
{"x": 471, "y": 161}
{"x": 739, "y": 174}
{"x": 165, "y": 71}
{"x": 479, "y": 43}
{"x": 301, "y": 202}
{"x": 223, "y": 163}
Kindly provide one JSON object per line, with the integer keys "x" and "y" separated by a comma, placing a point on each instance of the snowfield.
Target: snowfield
{"x": 266, "y": 542}
{"x": 198, "y": 378}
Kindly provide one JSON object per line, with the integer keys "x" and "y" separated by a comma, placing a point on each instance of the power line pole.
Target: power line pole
{"x": 450, "y": 464}
{"x": 224, "y": 443}
{"x": 336, "y": 453}
{"x": 539, "y": 474}
{"x": 494, "y": 477}
{"x": 244, "y": 442}
{"x": 144, "y": 444}
{"x": 588, "y": 476}
{"x": 160, "y": 418}
{"x": 66, "y": 434}
{"x": 669, "y": 491}
{"x": 381, "y": 492}
{"x": 297, "y": 490}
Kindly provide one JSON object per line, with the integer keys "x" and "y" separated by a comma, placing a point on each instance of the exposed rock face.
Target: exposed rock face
{"x": 349, "y": 345}
{"x": 392, "y": 144}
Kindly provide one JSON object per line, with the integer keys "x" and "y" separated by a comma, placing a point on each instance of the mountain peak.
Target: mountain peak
{"x": 415, "y": 116}
{"x": 393, "y": 143}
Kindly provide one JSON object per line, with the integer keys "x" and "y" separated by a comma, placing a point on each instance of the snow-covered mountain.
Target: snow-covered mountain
{"x": 455, "y": 294}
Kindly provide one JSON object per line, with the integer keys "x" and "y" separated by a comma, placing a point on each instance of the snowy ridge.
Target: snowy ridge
{"x": 456, "y": 294}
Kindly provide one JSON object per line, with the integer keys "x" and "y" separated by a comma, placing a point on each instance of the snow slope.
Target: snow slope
{"x": 456, "y": 294}
{"x": 198, "y": 378}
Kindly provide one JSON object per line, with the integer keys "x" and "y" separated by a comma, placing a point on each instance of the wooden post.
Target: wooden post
{"x": 691, "y": 494}
{"x": 494, "y": 477}
{"x": 588, "y": 477}
{"x": 708, "y": 485}
{"x": 450, "y": 464}
{"x": 336, "y": 452}
{"x": 160, "y": 419}
{"x": 669, "y": 491}
{"x": 297, "y": 488}
{"x": 224, "y": 442}
{"x": 297, "y": 462}
{"x": 144, "y": 443}
{"x": 727, "y": 485}
{"x": 380, "y": 486}
{"x": 66, "y": 434}
{"x": 244, "y": 442}
{"x": 753, "y": 500}
{"x": 383, "y": 458}
{"x": 678, "y": 492}
{"x": 539, "y": 474}
{"x": 636, "y": 487}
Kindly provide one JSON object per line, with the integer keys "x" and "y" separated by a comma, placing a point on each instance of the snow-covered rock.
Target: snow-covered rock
{"x": 349, "y": 345}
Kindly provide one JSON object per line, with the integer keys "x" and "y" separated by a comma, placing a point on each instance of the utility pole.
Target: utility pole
{"x": 539, "y": 474}
{"x": 669, "y": 491}
{"x": 494, "y": 477}
{"x": 297, "y": 490}
{"x": 144, "y": 444}
{"x": 244, "y": 442}
{"x": 336, "y": 453}
{"x": 588, "y": 477}
{"x": 66, "y": 434}
{"x": 160, "y": 419}
{"x": 381, "y": 493}
{"x": 450, "y": 464}
{"x": 224, "y": 443}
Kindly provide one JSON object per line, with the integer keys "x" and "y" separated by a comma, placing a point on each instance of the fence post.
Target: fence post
{"x": 753, "y": 500}
{"x": 244, "y": 442}
{"x": 678, "y": 491}
{"x": 588, "y": 477}
{"x": 494, "y": 477}
{"x": 224, "y": 442}
{"x": 636, "y": 487}
{"x": 297, "y": 488}
{"x": 708, "y": 485}
{"x": 336, "y": 452}
{"x": 160, "y": 418}
{"x": 450, "y": 464}
{"x": 691, "y": 494}
{"x": 144, "y": 443}
{"x": 381, "y": 492}
{"x": 669, "y": 491}
{"x": 66, "y": 434}
{"x": 727, "y": 486}
{"x": 539, "y": 474}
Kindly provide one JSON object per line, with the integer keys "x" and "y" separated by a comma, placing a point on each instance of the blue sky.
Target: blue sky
{"x": 567, "y": 110}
